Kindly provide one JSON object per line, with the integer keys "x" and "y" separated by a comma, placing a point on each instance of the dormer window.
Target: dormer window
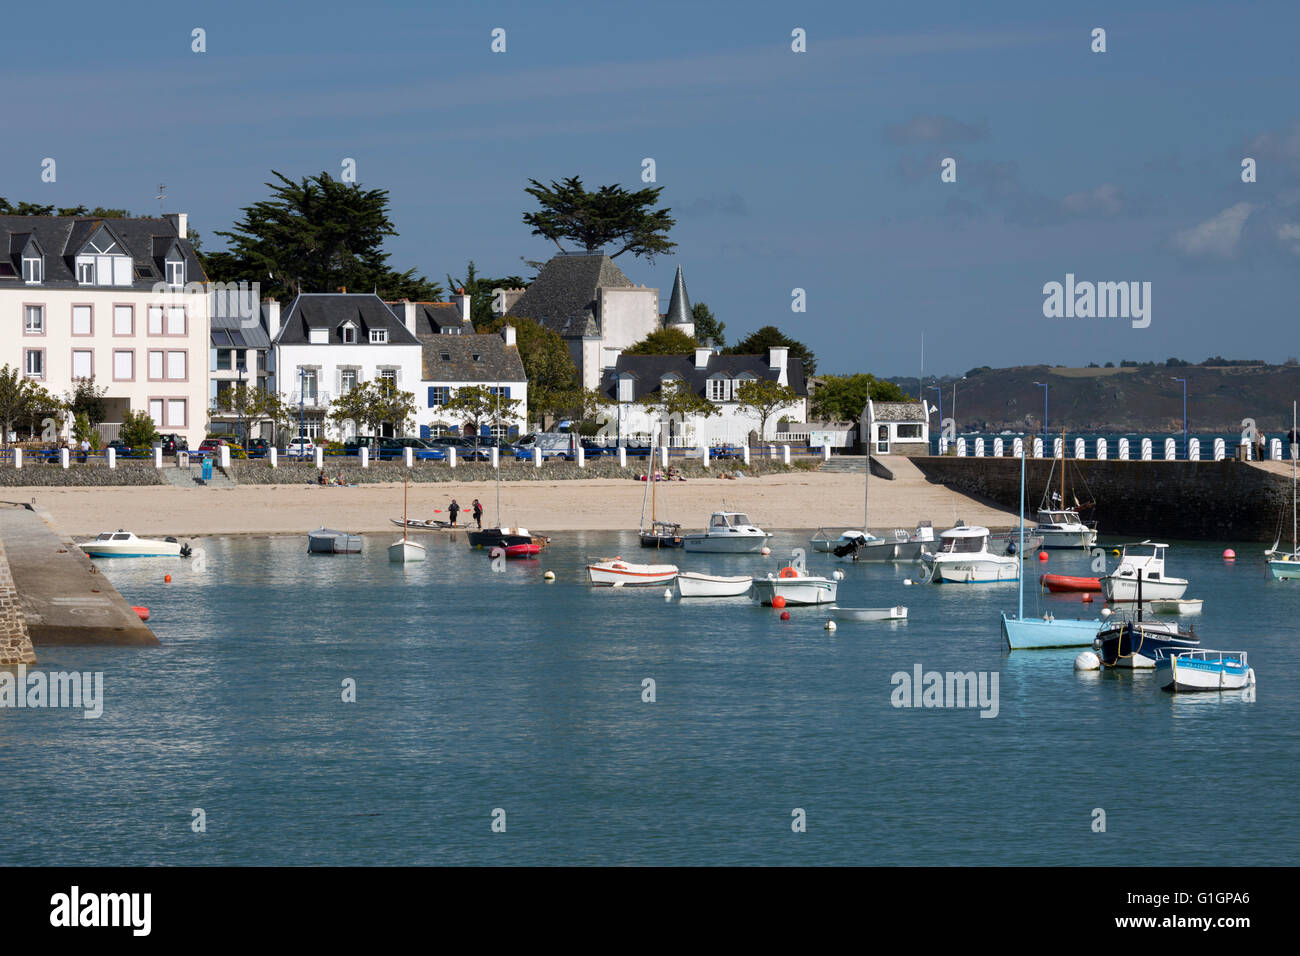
{"x": 86, "y": 271}
{"x": 349, "y": 334}
{"x": 378, "y": 336}
{"x": 318, "y": 337}
{"x": 33, "y": 270}
{"x": 102, "y": 261}
{"x": 176, "y": 272}
{"x": 625, "y": 389}
{"x": 668, "y": 383}
{"x": 719, "y": 389}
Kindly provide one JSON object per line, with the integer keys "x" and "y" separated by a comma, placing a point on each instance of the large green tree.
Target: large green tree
{"x": 757, "y": 343}
{"x": 482, "y": 291}
{"x": 22, "y": 401}
{"x": 316, "y": 235}
{"x": 476, "y": 406}
{"x": 610, "y": 216}
{"x": 553, "y": 385}
{"x": 669, "y": 341}
{"x": 707, "y": 325}
{"x": 371, "y": 404}
{"x": 840, "y": 398}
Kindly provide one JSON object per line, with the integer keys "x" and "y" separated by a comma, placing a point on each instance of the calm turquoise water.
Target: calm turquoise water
{"x": 478, "y": 690}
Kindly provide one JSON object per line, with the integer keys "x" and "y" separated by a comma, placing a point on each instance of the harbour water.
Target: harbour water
{"x": 478, "y": 690}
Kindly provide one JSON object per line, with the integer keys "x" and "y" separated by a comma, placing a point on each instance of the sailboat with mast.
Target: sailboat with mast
{"x": 1026, "y": 633}
{"x": 1059, "y": 524}
{"x": 902, "y": 545}
{"x": 1286, "y": 566}
{"x": 661, "y": 534}
{"x": 405, "y": 550}
{"x": 517, "y": 542}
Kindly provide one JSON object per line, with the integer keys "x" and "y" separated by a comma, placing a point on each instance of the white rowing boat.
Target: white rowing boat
{"x": 695, "y": 584}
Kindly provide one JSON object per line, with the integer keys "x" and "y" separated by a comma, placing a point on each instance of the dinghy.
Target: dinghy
{"x": 1187, "y": 606}
{"x": 405, "y": 550}
{"x": 1203, "y": 670}
{"x": 898, "y": 613}
{"x": 615, "y": 572}
{"x": 329, "y": 541}
{"x": 1068, "y": 584}
{"x": 695, "y": 584}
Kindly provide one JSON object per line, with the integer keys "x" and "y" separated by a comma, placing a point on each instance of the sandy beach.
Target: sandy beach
{"x": 784, "y": 501}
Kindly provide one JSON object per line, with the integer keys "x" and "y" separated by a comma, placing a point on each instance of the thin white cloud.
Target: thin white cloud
{"x": 1216, "y": 237}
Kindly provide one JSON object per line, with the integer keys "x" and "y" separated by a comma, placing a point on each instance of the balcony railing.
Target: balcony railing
{"x": 316, "y": 399}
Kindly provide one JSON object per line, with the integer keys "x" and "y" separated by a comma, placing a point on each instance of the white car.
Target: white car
{"x": 300, "y": 448}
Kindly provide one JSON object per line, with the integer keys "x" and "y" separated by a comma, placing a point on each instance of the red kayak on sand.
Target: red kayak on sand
{"x": 523, "y": 550}
{"x": 1062, "y": 583}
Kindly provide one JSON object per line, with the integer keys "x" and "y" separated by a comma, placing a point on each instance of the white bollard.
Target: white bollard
{"x": 1220, "y": 449}
{"x": 496, "y": 457}
{"x": 943, "y": 445}
{"x": 1171, "y": 450}
{"x": 365, "y": 457}
{"x": 580, "y": 455}
{"x": 537, "y": 458}
{"x": 961, "y": 448}
{"x": 1146, "y": 449}
{"x": 785, "y": 454}
{"x": 1101, "y": 449}
{"x": 1038, "y": 447}
{"x": 111, "y": 456}
{"x": 273, "y": 456}
{"x": 1058, "y": 450}
{"x": 663, "y": 456}
{"x": 18, "y": 458}
{"x": 451, "y": 456}
{"x": 746, "y": 454}
{"x": 979, "y": 448}
{"x": 157, "y": 458}
{"x": 826, "y": 452}
{"x": 998, "y": 448}
{"x": 64, "y": 457}
{"x": 622, "y": 456}
{"x": 1123, "y": 449}
{"x": 320, "y": 456}
{"x": 1193, "y": 449}
{"x": 1018, "y": 447}
{"x": 704, "y": 455}
{"x": 1275, "y": 449}
{"x": 408, "y": 457}
{"x": 1080, "y": 450}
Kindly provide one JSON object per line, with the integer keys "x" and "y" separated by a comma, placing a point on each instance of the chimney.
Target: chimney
{"x": 462, "y": 300}
{"x": 778, "y": 358}
{"x": 408, "y": 315}
{"x": 181, "y": 220}
{"x": 272, "y": 317}
{"x": 510, "y": 298}
{"x": 702, "y": 357}
{"x": 508, "y": 333}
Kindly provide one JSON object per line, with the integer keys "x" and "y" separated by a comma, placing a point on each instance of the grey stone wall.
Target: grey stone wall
{"x": 42, "y": 475}
{"x": 1204, "y": 500}
{"x": 15, "y": 643}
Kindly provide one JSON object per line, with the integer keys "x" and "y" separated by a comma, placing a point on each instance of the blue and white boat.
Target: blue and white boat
{"x": 1022, "y": 633}
{"x": 1202, "y": 670}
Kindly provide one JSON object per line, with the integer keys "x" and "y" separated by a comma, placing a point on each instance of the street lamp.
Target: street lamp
{"x": 1043, "y": 386}
{"x": 1184, "y": 381}
{"x": 939, "y": 389}
{"x": 240, "y": 409}
{"x": 302, "y": 384}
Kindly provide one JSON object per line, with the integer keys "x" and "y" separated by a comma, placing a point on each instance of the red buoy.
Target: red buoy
{"x": 143, "y": 612}
{"x": 779, "y": 602}
{"x": 1042, "y": 555}
{"x": 785, "y": 615}
{"x": 167, "y": 578}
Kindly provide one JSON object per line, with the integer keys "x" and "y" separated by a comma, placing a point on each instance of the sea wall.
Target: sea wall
{"x": 1206, "y": 500}
{"x": 43, "y": 475}
{"x": 15, "y": 643}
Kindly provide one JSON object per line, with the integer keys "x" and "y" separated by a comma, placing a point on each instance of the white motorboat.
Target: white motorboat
{"x": 795, "y": 587}
{"x": 405, "y": 550}
{"x": 615, "y": 572}
{"x": 729, "y": 532}
{"x": 964, "y": 558}
{"x": 1185, "y": 606}
{"x": 1064, "y": 529}
{"x": 695, "y": 584}
{"x": 898, "y": 613}
{"x": 124, "y": 544}
{"x": 1145, "y": 561}
{"x": 1193, "y": 670}
{"x": 329, "y": 541}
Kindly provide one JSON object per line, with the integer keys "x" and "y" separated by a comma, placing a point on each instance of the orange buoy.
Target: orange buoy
{"x": 1042, "y": 555}
{"x": 1229, "y": 555}
{"x": 788, "y": 572}
{"x": 143, "y": 612}
{"x": 785, "y": 615}
{"x": 778, "y": 602}
{"x": 167, "y": 578}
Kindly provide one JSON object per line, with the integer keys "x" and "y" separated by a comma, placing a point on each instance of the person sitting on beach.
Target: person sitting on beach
{"x": 321, "y": 479}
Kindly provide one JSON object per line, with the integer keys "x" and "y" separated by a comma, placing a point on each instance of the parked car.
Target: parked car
{"x": 551, "y": 444}
{"x": 465, "y": 450}
{"x": 120, "y": 449}
{"x": 391, "y": 448}
{"x": 258, "y": 447}
{"x": 300, "y": 447}
{"x": 173, "y": 443}
{"x": 210, "y": 448}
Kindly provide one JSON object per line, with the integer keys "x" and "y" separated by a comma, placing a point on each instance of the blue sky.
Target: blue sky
{"x": 817, "y": 170}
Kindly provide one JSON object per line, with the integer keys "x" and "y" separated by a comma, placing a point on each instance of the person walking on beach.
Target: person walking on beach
{"x": 85, "y": 449}
{"x": 453, "y": 509}
{"x": 478, "y": 514}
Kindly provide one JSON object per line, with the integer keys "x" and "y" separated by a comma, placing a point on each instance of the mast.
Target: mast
{"x": 1063, "y": 466}
{"x": 1294, "y": 548}
{"x": 650, "y": 478}
{"x": 866, "y": 492}
{"x": 1020, "y": 556}
{"x": 498, "y": 422}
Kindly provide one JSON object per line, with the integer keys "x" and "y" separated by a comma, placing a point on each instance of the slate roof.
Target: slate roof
{"x": 432, "y": 317}
{"x": 563, "y": 296}
{"x": 62, "y": 237}
{"x": 898, "y": 411}
{"x": 230, "y": 331}
{"x": 679, "y": 307}
{"x": 497, "y": 362}
{"x": 648, "y": 370}
{"x": 330, "y": 310}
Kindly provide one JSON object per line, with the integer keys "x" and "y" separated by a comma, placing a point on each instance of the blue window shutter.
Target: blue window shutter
{"x": 507, "y": 392}
{"x": 424, "y": 431}
{"x": 484, "y": 431}
{"x": 431, "y": 404}
{"x": 514, "y": 431}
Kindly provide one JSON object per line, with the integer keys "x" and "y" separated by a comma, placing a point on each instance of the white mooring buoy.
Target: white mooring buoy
{"x": 1087, "y": 661}
{"x": 838, "y": 575}
{"x": 830, "y": 625}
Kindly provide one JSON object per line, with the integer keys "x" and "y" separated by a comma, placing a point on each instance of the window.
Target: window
{"x": 34, "y": 320}
{"x": 223, "y": 360}
{"x": 170, "y": 366}
{"x": 318, "y": 336}
{"x": 81, "y": 320}
{"x": 349, "y": 334}
{"x": 378, "y": 336}
{"x": 347, "y": 377}
{"x": 33, "y": 270}
{"x": 176, "y": 365}
{"x": 388, "y": 375}
{"x": 83, "y": 363}
{"x": 34, "y": 363}
{"x": 668, "y": 384}
{"x": 718, "y": 389}
{"x": 123, "y": 320}
{"x": 503, "y": 391}
{"x": 176, "y": 412}
{"x": 500, "y": 432}
{"x": 124, "y": 365}
{"x": 307, "y": 380}
{"x": 156, "y": 411}
{"x": 438, "y": 395}
{"x": 909, "y": 431}
{"x": 444, "y": 356}
{"x": 86, "y": 270}
{"x": 155, "y": 320}
{"x": 175, "y": 320}
{"x": 176, "y": 272}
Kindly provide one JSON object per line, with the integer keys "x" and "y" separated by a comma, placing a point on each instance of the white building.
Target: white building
{"x": 897, "y": 428}
{"x": 327, "y": 343}
{"x": 453, "y": 361}
{"x": 121, "y": 301}
{"x": 710, "y": 375}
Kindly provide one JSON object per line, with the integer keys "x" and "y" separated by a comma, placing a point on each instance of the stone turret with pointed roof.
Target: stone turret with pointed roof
{"x": 679, "y": 307}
